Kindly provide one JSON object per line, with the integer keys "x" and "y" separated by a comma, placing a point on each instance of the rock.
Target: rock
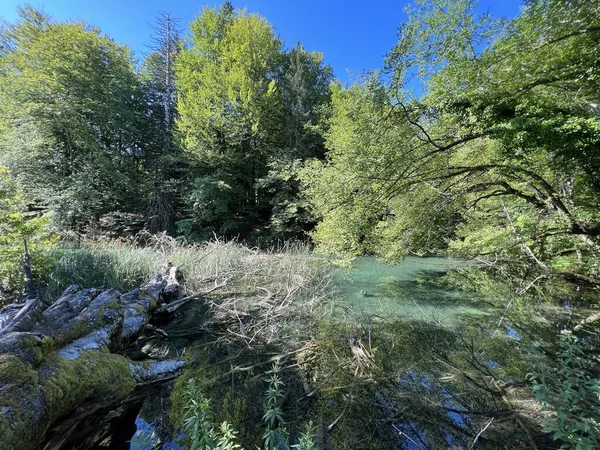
{"x": 63, "y": 381}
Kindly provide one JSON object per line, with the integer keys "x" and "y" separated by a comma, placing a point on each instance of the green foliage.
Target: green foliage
{"x": 494, "y": 160}
{"x": 198, "y": 423}
{"x": 352, "y": 193}
{"x": 306, "y": 440}
{"x": 228, "y": 106}
{"x": 72, "y": 117}
{"x": 17, "y": 227}
{"x": 275, "y": 434}
{"x": 571, "y": 393}
{"x": 247, "y": 110}
{"x": 86, "y": 135}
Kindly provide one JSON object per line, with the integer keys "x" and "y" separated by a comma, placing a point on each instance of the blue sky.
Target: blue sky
{"x": 354, "y": 35}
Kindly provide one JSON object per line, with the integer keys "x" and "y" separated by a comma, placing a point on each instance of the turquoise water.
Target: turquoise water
{"x": 405, "y": 291}
{"x": 442, "y": 347}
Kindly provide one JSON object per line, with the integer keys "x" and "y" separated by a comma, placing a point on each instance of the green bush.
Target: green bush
{"x": 16, "y": 229}
{"x": 571, "y": 393}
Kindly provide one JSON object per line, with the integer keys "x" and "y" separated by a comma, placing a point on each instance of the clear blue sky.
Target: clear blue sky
{"x": 354, "y": 35}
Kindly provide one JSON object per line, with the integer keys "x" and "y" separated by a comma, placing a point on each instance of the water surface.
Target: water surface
{"x": 436, "y": 356}
{"x": 405, "y": 291}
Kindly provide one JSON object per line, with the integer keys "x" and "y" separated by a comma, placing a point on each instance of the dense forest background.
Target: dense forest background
{"x": 479, "y": 138}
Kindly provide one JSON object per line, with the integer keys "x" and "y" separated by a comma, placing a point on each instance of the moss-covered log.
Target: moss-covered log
{"x": 62, "y": 379}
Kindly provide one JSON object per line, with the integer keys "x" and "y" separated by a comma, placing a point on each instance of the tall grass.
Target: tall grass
{"x": 111, "y": 267}
{"x": 265, "y": 310}
{"x": 286, "y": 272}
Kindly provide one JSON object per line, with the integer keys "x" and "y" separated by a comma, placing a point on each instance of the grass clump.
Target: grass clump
{"x": 289, "y": 269}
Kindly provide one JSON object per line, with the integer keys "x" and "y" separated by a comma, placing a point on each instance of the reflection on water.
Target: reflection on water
{"x": 459, "y": 359}
{"x": 405, "y": 292}
{"x": 146, "y": 436}
{"x": 402, "y": 363}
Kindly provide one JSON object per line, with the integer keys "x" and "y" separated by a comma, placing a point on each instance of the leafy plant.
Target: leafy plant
{"x": 198, "y": 423}
{"x": 571, "y": 393}
{"x": 307, "y": 438}
{"x": 275, "y": 433}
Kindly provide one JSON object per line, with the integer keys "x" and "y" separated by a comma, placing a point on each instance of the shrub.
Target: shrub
{"x": 17, "y": 228}
{"x": 571, "y": 393}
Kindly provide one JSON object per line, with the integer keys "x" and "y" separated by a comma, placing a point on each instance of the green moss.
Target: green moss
{"x": 233, "y": 409}
{"x": 46, "y": 345}
{"x": 63, "y": 385}
{"x": 79, "y": 329}
{"x": 18, "y": 431}
{"x": 18, "y": 399}
{"x": 93, "y": 375}
{"x": 199, "y": 356}
{"x": 13, "y": 370}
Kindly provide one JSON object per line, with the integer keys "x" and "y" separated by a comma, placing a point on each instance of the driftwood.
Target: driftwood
{"x": 586, "y": 321}
{"x": 63, "y": 381}
{"x": 170, "y": 308}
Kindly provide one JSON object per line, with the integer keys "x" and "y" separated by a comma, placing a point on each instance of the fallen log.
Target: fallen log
{"x": 63, "y": 382}
{"x": 170, "y": 308}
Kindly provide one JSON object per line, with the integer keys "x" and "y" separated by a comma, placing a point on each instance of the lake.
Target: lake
{"x": 402, "y": 361}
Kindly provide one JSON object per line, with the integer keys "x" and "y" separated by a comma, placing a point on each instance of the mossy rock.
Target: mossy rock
{"x": 14, "y": 371}
{"x": 28, "y": 347}
{"x": 30, "y": 400}
{"x": 21, "y": 403}
{"x": 93, "y": 375}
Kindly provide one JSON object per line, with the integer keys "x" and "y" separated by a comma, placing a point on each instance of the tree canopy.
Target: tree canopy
{"x": 71, "y": 117}
{"x": 245, "y": 108}
{"x": 496, "y": 158}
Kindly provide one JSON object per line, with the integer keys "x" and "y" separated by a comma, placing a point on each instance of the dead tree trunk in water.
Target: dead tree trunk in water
{"x": 62, "y": 379}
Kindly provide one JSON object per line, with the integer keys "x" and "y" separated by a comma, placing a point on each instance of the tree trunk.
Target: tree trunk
{"x": 63, "y": 383}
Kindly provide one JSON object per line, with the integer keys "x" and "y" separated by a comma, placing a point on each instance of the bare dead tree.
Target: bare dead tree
{"x": 165, "y": 43}
{"x": 29, "y": 286}
{"x": 165, "y": 47}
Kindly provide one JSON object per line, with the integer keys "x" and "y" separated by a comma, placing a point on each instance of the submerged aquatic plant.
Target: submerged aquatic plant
{"x": 145, "y": 440}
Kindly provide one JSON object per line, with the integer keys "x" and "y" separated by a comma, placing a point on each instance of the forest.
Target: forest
{"x": 242, "y": 170}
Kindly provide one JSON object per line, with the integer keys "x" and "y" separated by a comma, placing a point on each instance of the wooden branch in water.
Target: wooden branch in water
{"x": 334, "y": 423}
{"x": 480, "y": 433}
{"x": 174, "y": 306}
